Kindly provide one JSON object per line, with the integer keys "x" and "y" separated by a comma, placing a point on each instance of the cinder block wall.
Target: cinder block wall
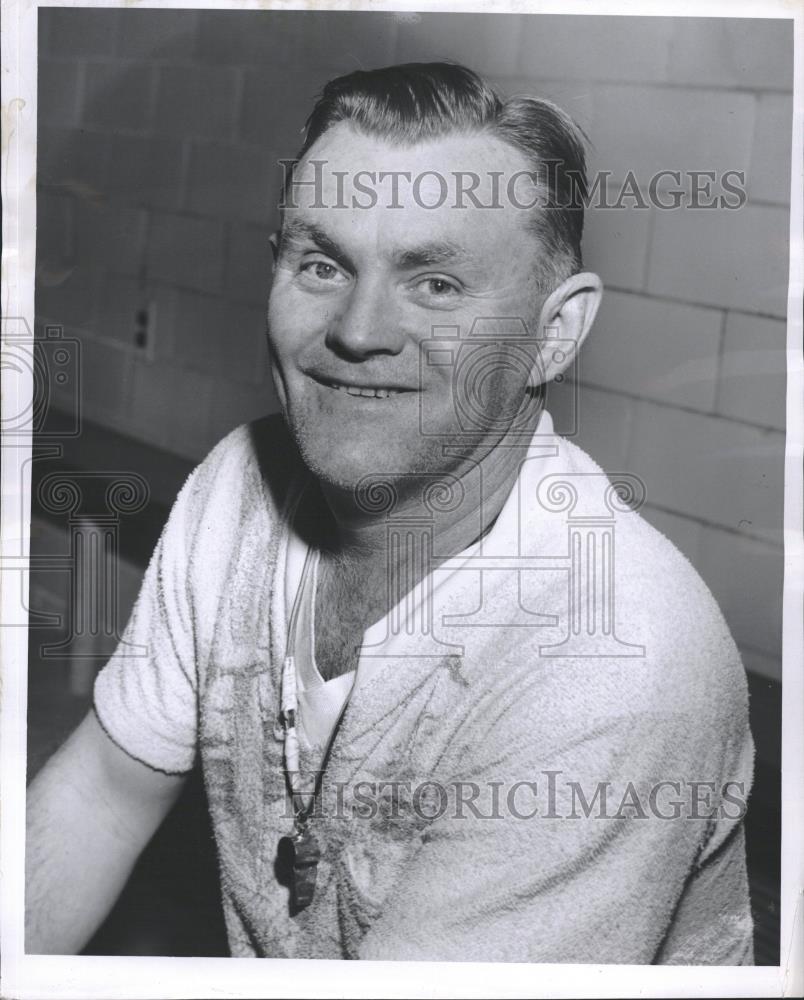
{"x": 159, "y": 137}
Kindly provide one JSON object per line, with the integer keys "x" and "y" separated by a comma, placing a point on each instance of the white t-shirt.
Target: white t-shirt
{"x": 479, "y": 678}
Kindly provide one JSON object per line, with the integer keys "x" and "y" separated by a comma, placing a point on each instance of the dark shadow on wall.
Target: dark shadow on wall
{"x": 172, "y": 902}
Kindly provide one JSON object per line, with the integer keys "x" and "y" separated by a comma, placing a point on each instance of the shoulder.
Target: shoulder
{"x": 255, "y": 464}
{"x": 260, "y": 449}
{"x": 659, "y": 598}
{"x": 234, "y": 500}
{"x": 680, "y": 689}
{"x": 662, "y": 598}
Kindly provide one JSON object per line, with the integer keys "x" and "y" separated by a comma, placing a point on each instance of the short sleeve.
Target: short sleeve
{"x": 146, "y": 695}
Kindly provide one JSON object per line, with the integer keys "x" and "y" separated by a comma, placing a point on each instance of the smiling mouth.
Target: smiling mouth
{"x": 355, "y": 390}
{"x": 368, "y": 392}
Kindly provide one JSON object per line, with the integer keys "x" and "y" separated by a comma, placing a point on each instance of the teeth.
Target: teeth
{"x": 354, "y": 390}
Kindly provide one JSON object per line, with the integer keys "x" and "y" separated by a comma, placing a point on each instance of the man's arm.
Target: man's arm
{"x": 91, "y": 811}
{"x": 95, "y": 806}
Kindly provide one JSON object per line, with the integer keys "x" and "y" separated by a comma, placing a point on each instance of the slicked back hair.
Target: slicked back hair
{"x": 416, "y": 102}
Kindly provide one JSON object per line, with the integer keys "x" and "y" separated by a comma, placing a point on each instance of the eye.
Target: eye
{"x": 321, "y": 272}
{"x": 438, "y": 286}
{"x": 434, "y": 286}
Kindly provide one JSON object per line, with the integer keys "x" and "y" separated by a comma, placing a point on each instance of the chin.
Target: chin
{"x": 339, "y": 463}
{"x": 344, "y": 464}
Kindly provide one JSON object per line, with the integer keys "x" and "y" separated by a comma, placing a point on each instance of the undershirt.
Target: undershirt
{"x": 321, "y": 703}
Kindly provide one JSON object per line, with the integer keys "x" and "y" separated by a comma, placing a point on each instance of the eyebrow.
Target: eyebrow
{"x": 426, "y": 255}
{"x": 297, "y": 231}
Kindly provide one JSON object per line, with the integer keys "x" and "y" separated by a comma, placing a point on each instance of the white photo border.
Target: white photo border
{"x": 127, "y": 977}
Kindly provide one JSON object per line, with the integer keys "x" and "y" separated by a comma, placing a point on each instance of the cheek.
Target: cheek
{"x": 506, "y": 393}
{"x": 295, "y": 321}
{"x": 492, "y": 374}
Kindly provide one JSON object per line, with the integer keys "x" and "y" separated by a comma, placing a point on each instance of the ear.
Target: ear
{"x": 565, "y": 320}
{"x": 273, "y": 239}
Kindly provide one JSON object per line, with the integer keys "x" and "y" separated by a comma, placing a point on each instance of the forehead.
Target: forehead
{"x": 461, "y": 188}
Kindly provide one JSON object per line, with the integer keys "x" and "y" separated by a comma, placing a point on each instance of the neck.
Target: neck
{"x": 455, "y": 515}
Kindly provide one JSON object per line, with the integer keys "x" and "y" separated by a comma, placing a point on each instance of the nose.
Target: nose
{"x": 366, "y": 323}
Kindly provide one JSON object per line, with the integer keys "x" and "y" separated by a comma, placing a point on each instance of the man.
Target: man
{"x": 437, "y": 719}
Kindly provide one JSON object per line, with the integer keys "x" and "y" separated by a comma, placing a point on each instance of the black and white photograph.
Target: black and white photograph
{"x": 401, "y": 547}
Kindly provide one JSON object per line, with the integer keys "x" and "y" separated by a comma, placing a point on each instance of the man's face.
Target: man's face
{"x": 359, "y": 293}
